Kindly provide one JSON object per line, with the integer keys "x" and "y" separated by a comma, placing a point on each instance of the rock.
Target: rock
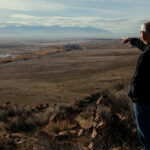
{"x": 90, "y": 126}
{"x": 91, "y": 146}
{"x": 16, "y": 135}
{"x": 17, "y": 140}
{"x": 97, "y": 118}
{"x": 64, "y": 133}
{"x": 98, "y": 102}
{"x": 73, "y": 132}
{"x": 28, "y": 107}
{"x": 95, "y": 124}
{"x": 45, "y": 105}
{"x": 20, "y": 142}
{"x": 94, "y": 133}
{"x": 80, "y": 132}
{"x": 101, "y": 124}
{"x": 33, "y": 108}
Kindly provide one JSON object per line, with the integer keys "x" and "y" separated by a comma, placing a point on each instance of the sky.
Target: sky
{"x": 118, "y": 16}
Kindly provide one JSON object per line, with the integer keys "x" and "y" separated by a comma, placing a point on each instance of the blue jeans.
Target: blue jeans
{"x": 142, "y": 116}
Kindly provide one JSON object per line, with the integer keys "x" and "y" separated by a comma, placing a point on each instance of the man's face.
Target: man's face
{"x": 145, "y": 37}
{"x": 143, "y": 32}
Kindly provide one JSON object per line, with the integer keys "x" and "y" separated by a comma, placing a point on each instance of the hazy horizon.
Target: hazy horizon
{"x": 74, "y": 19}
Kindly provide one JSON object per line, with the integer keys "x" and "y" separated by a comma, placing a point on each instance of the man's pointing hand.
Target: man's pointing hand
{"x": 125, "y": 40}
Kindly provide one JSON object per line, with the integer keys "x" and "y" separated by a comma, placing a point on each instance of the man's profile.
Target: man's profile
{"x": 139, "y": 91}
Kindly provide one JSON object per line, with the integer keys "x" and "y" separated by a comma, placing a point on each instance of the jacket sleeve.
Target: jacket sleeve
{"x": 137, "y": 43}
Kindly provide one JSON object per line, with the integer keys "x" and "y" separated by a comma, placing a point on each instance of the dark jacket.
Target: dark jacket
{"x": 139, "y": 90}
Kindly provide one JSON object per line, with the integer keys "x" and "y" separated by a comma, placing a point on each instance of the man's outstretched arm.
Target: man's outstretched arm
{"x": 135, "y": 42}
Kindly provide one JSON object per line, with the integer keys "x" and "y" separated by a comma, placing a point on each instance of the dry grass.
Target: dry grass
{"x": 104, "y": 112}
{"x": 67, "y": 76}
{"x": 3, "y": 128}
{"x": 59, "y": 126}
{"x": 21, "y": 118}
{"x": 115, "y": 111}
{"x": 85, "y": 118}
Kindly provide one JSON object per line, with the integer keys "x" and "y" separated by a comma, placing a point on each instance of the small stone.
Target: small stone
{"x": 20, "y": 142}
{"x": 101, "y": 124}
{"x": 91, "y": 146}
{"x": 17, "y": 139}
{"x": 98, "y": 102}
{"x": 17, "y": 135}
{"x": 45, "y": 105}
{"x": 63, "y": 133}
{"x": 94, "y": 133}
{"x": 80, "y": 132}
{"x": 94, "y": 124}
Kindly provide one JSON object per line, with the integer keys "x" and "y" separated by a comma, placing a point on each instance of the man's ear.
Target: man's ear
{"x": 143, "y": 35}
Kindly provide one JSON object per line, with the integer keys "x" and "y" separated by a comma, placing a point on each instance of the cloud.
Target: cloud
{"x": 28, "y": 5}
{"x": 110, "y": 15}
{"x": 23, "y": 16}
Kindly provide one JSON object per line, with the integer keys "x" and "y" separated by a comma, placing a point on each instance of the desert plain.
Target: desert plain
{"x": 52, "y": 73}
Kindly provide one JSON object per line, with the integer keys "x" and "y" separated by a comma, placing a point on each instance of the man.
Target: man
{"x": 139, "y": 91}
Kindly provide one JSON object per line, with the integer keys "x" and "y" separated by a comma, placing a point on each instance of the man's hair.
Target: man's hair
{"x": 146, "y": 27}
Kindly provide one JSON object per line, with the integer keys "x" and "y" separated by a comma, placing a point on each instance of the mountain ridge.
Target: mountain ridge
{"x": 53, "y": 31}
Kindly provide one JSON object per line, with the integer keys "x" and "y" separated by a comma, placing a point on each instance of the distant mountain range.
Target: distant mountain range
{"x": 53, "y": 31}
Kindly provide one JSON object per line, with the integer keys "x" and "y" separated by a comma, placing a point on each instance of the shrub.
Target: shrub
{"x": 80, "y": 103}
{"x": 88, "y": 100}
{"x": 59, "y": 126}
{"x": 104, "y": 112}
{"x": 40, "y": 119}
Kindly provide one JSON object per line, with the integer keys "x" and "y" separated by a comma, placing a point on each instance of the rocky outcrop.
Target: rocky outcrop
{"x": 107, "y": 123}
{"x": 70, "y": 47}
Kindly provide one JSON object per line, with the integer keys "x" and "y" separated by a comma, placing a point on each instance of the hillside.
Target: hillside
{"x": 102, "y": 121}
{"x": 68, "y": 97}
